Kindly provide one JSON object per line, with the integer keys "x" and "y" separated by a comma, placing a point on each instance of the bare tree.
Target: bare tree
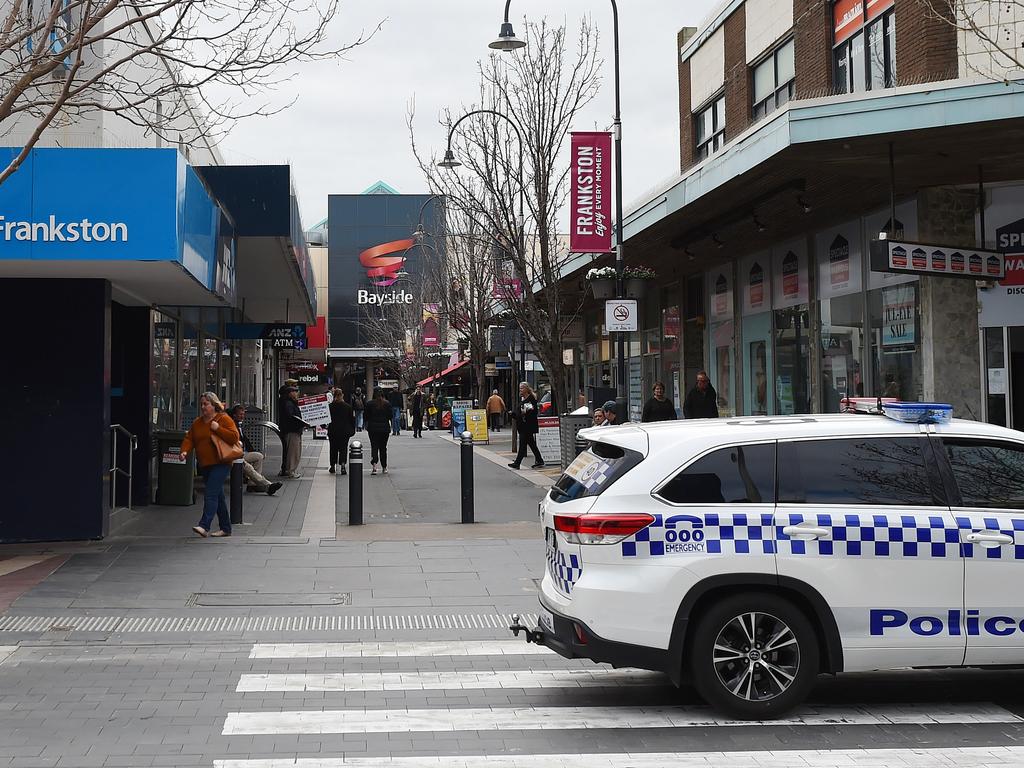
{"x": 182, "y": 70}
{"x": 540, "y": 91}
{"x": 987, "y": 32}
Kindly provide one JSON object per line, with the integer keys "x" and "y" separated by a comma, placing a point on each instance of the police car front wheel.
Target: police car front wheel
{"x": 753, "y": 656}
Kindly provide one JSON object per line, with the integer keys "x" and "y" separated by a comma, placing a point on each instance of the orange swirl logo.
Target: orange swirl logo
{"x": 381, "y": 268}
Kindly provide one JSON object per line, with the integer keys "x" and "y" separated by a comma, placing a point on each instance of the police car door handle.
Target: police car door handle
{"x": 990, "y": 538}
{"x": 806, "y": 532}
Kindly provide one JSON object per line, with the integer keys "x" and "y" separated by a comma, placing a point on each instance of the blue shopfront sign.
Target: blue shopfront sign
{"x": 115, "y": 205}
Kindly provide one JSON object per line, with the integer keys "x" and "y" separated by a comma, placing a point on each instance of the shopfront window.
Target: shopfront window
{"x": 995, "y": 367}
{"x": 722, "y": 334}
{"x": 211, "y": 366}
{"x": 191, "y": 377}
{"x": 165, "y": 370}
{"x": 792, "y": 356}
{"x": 791, "y": 325}
{"x": 895, "y": 342}
{"x": 841, "y": 315}
{"x": 758, "y": 353}
{"x": 670, "y": 354}
{"x": 842, "y": 342}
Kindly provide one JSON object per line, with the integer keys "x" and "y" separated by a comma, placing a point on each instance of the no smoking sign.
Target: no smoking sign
{"x": 620, "y": 315}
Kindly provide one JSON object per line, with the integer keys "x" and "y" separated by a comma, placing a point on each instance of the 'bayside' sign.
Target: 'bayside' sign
{"x": 590, "y": 228}
{"x": 924, "y": 259}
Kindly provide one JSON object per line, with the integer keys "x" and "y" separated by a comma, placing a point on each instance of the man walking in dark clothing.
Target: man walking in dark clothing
{"x": 702, "y": 400}
{"x": 417, "y": 412}
{"x": 659, "y": 407}
{"x": 340, "y": 430}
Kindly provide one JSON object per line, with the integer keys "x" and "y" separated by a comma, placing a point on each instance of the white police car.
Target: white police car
{"x": 748, "y": 555}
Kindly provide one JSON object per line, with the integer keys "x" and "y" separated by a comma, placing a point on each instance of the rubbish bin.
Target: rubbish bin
{"x": 569, "y": 426}
{"x": 252, "y": 427}
{"x": 174, "y": 477}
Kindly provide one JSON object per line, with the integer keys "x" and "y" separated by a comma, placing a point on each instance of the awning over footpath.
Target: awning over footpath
{"x": 443, "y": 373}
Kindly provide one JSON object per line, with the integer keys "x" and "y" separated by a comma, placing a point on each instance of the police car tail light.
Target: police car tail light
{"x": 601, "y": 529}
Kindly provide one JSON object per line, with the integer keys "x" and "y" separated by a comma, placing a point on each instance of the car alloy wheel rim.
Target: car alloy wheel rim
{"x": 756, "y": 656}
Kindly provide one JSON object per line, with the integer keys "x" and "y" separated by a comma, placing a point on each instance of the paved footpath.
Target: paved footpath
{"x": 298, "y": 643}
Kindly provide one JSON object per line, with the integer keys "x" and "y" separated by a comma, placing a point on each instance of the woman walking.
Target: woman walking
{"x": 526, "y": 422}
{"x": 377, "y": 416}
{"x": 340, "y": 430}
{"x": 212, "y": 436}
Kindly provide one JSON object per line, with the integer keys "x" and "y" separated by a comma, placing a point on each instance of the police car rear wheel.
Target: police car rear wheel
{"x": 754, "y": 656}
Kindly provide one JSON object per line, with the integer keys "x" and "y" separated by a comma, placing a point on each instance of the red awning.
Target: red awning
{"x": 442, "y": 374}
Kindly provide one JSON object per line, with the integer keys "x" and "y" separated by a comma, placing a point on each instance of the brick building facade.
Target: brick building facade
{"x": 809, "y": 130}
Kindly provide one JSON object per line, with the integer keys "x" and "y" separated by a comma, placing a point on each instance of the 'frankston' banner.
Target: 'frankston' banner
{"x": 590, "y": 225}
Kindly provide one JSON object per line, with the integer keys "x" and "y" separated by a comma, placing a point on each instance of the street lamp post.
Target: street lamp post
{"x": 450, "y": 161}
{"x": 507, "y": 41}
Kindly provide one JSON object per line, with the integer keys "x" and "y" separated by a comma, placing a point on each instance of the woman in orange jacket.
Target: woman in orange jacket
{"x": 213, "y": 424}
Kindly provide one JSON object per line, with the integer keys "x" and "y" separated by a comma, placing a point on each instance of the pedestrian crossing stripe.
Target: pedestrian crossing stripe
{"x": 444, "y": 681}
{"x": 397, "y": 649}
{"x": 245, "y": 624}
{"x": 945, "y": 757}
{"x": 566, "y": 718}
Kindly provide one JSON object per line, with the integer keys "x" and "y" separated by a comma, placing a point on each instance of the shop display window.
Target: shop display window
{"x": 842, "y": 343}
{"x": 792, "y": 353}
{"x": 895, "y": 320}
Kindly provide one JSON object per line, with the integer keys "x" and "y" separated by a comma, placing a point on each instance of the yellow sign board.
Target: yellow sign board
{"x": 476, "y": 424}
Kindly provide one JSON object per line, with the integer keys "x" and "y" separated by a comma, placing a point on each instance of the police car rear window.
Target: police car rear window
{"x": 594, "y": 470}
{"x": 742, "y": 474}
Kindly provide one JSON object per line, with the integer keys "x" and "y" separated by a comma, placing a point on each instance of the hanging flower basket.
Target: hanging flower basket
{"x": 602, "y": 282}
{"x": 637, "y": 279}
{"x": 635, "y": 288}
{"x": 603, "y": 288}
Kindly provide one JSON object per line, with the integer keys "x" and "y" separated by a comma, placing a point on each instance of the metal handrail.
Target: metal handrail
{"x": 115, "y": 470}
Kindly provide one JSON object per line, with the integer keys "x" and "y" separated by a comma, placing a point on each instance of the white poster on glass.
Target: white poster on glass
{"x": 720, "y": 287}
{"x": 839, "y": 252}
{"x": 1003, "y": 302}
{"x": 789, "y": 268}
{"x": 755, "y": 283}
{"x": 906, "y": 228}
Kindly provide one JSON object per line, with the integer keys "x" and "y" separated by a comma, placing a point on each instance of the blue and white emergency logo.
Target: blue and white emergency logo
{"x": 670, "y": 535}
{"x": 684, "y": 533}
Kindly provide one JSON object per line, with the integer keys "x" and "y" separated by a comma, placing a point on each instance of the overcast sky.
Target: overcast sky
{"x": 347, "y": 129}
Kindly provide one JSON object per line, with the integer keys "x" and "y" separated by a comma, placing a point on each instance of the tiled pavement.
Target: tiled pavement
{"x": 384, "y": 646}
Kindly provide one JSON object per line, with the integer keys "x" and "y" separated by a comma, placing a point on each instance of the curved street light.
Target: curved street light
{"x": 507, "y": 41}
{"x": 450, "y": 161}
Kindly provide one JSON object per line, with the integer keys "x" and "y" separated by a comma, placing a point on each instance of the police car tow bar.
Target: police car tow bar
{"x": 532, "y": 635}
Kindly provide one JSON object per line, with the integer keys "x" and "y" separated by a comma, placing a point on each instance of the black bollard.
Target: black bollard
{"x": 467, "y": 477}
{"x": 236, "y": 491}
{"x": 355, "y": 483}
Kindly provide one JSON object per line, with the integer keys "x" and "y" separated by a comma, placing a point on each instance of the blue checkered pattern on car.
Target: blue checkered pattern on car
{"x": 877, "y": 535}
{"x": 565, "y": 569}
{"x": 1011, "y": 526}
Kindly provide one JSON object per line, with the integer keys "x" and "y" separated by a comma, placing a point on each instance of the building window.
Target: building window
{"x": 864, "y": 52}
{"x": 710, "y": 128}
{"x": 773, "y": 81}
